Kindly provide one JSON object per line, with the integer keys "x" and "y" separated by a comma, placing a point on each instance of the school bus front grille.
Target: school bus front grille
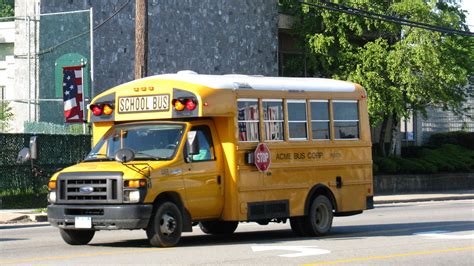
{"x": 89, "y": 188}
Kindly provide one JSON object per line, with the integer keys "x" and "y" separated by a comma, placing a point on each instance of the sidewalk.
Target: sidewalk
{"x": 28, "y": 216}
{"x": 21, "y": 216}
{"x": 433, "y": 196}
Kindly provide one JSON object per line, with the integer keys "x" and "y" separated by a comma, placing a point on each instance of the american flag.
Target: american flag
{"x": 72, "y": 94}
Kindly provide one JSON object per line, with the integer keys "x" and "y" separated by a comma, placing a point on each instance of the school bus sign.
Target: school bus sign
{"x": 262, "y": 157}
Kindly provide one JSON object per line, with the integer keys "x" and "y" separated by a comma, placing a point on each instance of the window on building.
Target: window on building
{"x": 273, "y": 119}
{"x": 2, "y": 93}
{"x": 297, "y": 120}
{"x": 346, "y": 119}
{"x": 406, "y": 128}
{"x": 320, "y": 119}
{"x": 248, "y": 119}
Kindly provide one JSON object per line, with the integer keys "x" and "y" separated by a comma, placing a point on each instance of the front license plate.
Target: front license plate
{"x": 149, "y": 103}
{"x": 83, "y": 222}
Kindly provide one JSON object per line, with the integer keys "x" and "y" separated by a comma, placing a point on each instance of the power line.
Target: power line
{"x": 50, "y": 49}
{"x": 368, "y": 14}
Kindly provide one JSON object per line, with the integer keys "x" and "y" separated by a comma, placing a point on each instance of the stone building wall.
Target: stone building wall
{"x": 207, "y": 36}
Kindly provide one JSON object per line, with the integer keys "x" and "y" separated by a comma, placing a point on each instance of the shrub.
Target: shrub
{"x": 386, "y": 165}
{"x": 24, "y": 201}
{"x": 444, "y": 158}
{"x": 461, "y": 138}
{"x": 409, "y": 166}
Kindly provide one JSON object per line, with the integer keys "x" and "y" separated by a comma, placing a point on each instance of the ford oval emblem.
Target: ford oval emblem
{"x": 86, "y": 189}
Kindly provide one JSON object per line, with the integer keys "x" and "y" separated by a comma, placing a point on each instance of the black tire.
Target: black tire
{"x": 319, "y": 220}
{"x": 166, "y": 225}
{"x": 219, "y": 227}
{"x": 298, "y": 225}
{"x": 77, "y": 237}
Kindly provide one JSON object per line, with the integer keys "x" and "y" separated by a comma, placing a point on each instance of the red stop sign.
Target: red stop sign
{"x": 262, "y": 157}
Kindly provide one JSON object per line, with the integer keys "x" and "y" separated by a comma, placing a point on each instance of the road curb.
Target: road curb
{"x": 388, "y": 201}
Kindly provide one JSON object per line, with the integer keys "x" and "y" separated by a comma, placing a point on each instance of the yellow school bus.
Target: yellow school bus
{"x": 176, "y": 150}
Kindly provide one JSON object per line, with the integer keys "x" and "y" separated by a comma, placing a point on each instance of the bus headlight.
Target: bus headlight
{"x": 52, "y": 196}
{"x": 131, "y": 196}
{"x": 134, "y": 196}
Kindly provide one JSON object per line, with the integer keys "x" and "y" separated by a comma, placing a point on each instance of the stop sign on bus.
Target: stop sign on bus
{"x": 262, "y": 157}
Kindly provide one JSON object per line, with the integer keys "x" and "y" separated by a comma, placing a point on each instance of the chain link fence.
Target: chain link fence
{"x": 27, "y": 182}
{"x": 31, "y": 86}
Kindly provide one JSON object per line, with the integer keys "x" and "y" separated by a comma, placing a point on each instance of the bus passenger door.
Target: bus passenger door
{"x": 203, "y": 176}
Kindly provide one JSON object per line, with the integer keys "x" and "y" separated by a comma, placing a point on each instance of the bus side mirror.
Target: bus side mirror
{"x": 124, "y": 155}
{"x": 30, "y": 153}
{"x": 33, "y": 148}
{"x": 23, "y": 156}
{"x": 192, "y": 144}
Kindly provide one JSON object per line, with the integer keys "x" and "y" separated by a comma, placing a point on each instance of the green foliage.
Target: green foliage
{"x": 54, "y": 152}
{"x": 386, "y": 165}
{"x": 401, "y": 67}
{"x": 24, "y": 201}
{"x": 7, "y": 8}
{"x": 428, "y": 160}
{"x": 6, "y": 115}
{"x": 462, "y": 138}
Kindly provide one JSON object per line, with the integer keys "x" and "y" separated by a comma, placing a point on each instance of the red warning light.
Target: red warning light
{"x": 96, "y": 110}
{"x": 190, "y": 104}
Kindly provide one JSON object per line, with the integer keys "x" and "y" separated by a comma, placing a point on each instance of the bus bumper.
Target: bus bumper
{"x": 370, "y": 202}
{"x": 109, "y": 217}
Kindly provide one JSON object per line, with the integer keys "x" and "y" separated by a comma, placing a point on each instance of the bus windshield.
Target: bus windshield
{"x": 148, "y": 141}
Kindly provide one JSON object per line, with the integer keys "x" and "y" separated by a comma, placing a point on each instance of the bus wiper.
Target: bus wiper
{"x": 148, "y": 156}
{"x": 98, "y": 154}
{"x": 93, "y": 157}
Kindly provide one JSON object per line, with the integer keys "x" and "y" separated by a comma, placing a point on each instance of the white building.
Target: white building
{"x": 7, "y": 60}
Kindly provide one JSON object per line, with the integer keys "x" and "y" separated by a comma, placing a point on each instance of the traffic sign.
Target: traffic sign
{"x": 262, "y": 157}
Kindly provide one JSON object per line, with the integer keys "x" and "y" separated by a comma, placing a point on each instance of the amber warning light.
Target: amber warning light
{"x": 99, "y": 109}
{"x": 184, "y": 103}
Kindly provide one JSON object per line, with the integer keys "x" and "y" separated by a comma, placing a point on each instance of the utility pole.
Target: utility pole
{"x": 141, "y": 38}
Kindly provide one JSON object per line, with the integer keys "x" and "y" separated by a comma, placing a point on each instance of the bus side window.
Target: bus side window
{"x": 248, "y": 117}
{"x": 206, "y": 149}
{"x": 346, "y": 119}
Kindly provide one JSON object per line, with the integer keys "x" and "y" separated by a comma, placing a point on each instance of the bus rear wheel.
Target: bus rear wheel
{"x": 77, "y": 237}
{"x": 166, "y": 226}
{"x": 320, "y": 216}
{"x": 218, "y": 227}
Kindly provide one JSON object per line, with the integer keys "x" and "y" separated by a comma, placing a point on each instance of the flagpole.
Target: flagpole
{"x": 84, "y": 111}
{"x": 91, "y": 61}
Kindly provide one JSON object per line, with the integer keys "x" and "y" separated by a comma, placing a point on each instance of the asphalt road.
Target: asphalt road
{"x": 434, "y": 233}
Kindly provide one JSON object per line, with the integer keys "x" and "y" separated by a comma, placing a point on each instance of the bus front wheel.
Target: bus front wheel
{"x": 166, "y": 226}
{"x": 77, "y": 237}
{"x": 319, "y": 219}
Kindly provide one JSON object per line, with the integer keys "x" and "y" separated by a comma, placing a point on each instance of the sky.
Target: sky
{"x": 469, "y": 6}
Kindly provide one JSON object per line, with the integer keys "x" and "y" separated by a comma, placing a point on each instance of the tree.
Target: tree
{"x": 6, "y": 115}
{"x": 7, "y": 8}
{"x": 401, "y": 67}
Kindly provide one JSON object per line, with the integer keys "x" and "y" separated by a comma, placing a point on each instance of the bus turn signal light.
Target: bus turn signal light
{"x": 107, "y": 109}
{"x": 178, "y": 105}
{"x": 52, "y": 185}
{"x": 135, "y": 183}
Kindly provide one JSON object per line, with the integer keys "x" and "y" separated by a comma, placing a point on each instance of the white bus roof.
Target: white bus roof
{"x": 259, "y": 82}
